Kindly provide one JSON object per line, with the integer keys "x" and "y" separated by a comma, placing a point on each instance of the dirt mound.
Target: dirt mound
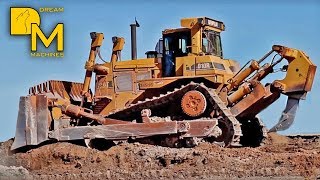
{"x": 13, "y": 172}
{"x": 6, "y": 155}
{"x": 281, "y": 157}
{"x": 277, "y": 139}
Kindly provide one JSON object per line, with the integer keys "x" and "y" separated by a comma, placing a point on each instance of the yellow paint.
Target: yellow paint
{"x": 37, "y": 32}
{"x": 298, "y": 71}
{"x": 26, "y": 21}
{"x": 21, "y": 20}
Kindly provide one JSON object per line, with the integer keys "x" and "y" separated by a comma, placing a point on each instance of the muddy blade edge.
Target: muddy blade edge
{"x": 32, "y": 121}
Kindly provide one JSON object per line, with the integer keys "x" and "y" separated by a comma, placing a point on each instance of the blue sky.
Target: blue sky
{"x": 251, "y": 29}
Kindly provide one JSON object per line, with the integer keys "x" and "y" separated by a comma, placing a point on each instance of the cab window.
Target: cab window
{"x": 211, "y": 43}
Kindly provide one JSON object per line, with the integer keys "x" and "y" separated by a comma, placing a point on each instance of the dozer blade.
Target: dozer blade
{"x": 32, "y": 122}
{"x": 58, "y": 89}
{"x": 288, "y": 115}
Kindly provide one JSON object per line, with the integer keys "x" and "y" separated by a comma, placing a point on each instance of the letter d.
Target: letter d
{"x": 21, "y": 20}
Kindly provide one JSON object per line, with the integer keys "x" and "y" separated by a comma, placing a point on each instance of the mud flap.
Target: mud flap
{"x": 32, "y": 122}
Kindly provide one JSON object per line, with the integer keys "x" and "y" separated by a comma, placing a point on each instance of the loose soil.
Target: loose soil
{"x": 280, "y": 158}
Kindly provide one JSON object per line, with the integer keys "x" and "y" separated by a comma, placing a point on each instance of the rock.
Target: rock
{"x": 108, "y": 174}
{"x": 13, "y": 172}
{"x": 78, "y": 165}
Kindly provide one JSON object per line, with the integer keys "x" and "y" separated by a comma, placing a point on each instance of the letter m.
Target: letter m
{"x": 37, "y": 32}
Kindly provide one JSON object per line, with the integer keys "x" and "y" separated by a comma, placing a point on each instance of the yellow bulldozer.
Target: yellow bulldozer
{"x": 182, "y": 93}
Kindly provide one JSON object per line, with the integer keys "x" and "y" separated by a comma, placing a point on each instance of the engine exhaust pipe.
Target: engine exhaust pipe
{"x": 134, "y": 39}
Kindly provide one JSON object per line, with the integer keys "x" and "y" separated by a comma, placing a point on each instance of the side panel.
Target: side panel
{"x": 104, "y": 86}
{"x": 212, "y": 65}
{"x": 188, "y": 62}
{"x": 126, "y": 90}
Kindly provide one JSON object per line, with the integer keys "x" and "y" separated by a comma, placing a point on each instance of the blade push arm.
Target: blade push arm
{"x": 97, "y": 39}
{"x": 91, "y": 66}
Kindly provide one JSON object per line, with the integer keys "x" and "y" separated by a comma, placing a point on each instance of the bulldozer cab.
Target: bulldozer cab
{"x": 175, "y": 45}
{"x": 199, "y": 36}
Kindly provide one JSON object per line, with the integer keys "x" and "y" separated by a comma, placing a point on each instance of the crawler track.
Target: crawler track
{"x": 159, "y": 107}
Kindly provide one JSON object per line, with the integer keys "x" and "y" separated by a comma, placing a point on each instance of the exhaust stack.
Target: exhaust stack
{"x": 134, "y": 39}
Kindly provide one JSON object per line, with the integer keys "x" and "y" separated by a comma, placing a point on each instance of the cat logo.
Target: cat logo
{"x": 26, "y": 21}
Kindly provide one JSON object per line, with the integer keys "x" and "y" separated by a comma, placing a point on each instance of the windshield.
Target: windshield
{"x": 211, "y": 43}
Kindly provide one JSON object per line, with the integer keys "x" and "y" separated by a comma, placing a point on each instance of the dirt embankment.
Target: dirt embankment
{"x": 281, "y": 157}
